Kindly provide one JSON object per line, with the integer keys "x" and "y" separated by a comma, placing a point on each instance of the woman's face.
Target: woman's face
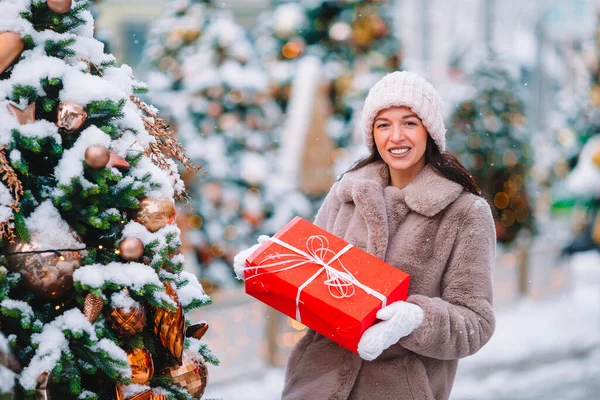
{"x": 401, "y": 140}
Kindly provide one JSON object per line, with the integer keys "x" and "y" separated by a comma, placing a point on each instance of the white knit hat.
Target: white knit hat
{"x": 403, "y": 88}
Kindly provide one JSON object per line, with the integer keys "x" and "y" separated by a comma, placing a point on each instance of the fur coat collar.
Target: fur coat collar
{"x": 384, "y": 207}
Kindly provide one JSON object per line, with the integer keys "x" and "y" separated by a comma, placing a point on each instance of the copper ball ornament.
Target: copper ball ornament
{"x": 48, "y": 274}
{"x": 127, "y": 322}
{"x": 59, "y": 6}
{"x": 97, "y": 156}
{"x": 192, "y": 375}
{"x": 142, "y": 366}
{"x": 70, "y": 116}
{"x": 11, "y": 47}
{"x": 131, "y": 249}
{"x": 155, "y": 214}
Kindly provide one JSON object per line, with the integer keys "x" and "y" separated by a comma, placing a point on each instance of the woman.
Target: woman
{"x": 413, "y": 205}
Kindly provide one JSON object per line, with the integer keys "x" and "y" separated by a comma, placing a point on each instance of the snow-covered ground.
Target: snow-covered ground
{"x": 541, "y": 350}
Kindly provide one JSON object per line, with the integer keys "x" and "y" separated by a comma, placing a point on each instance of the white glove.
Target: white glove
{"x": 399, "y": 319}
{"x": 239, "y": 261}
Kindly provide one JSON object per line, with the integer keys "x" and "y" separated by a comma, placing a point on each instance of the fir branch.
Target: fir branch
{"x": 59, "y": 49}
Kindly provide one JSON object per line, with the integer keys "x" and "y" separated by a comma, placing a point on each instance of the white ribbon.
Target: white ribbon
{"x": 341, "y": 284}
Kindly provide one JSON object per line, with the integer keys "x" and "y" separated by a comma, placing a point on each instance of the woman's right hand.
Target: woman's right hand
{"x": 239, "y": 261}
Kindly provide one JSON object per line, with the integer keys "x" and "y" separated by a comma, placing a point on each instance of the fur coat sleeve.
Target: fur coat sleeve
{"x": 329, "y": 206}
{"x": 461, "y": 321}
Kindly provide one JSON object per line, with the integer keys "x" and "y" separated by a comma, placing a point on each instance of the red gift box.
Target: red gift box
{"x": 323, "y": 282}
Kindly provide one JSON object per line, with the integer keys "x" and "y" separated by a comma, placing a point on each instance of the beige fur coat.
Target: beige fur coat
{"x": 444, "y": 237}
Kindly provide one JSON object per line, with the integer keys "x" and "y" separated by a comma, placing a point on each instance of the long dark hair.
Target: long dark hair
{"x": 444, "y": 162}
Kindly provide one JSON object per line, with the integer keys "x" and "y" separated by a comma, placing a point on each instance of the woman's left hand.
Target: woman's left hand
{"x": 399, "y": 319}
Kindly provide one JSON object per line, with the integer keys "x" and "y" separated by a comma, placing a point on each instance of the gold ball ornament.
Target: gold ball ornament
{"x": 155, "y": 214}
{"x": 192, "y": 375}
{"x": 70, "y": 116}
{"x": 59, "y": 6}
{"x": 127, "y": 321}
{"x": 142, "y": 366}
{"x": 11, "y": 47}
{"x": 48, "y": 274}
{"x": 97, "y": 156}
{"x": 131, "y": 249}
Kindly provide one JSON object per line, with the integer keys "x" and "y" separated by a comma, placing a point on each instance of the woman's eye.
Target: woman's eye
{"x": 411, "y": 123}
{"x": 384, "y": 125}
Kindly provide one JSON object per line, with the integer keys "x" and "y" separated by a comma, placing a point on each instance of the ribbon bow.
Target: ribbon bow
{"x": 340, "y": 282}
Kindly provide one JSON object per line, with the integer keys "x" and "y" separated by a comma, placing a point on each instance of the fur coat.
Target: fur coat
{"x": 444, "y": 237}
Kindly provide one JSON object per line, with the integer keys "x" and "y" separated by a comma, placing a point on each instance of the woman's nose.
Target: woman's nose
{"x": 397, "y": 134}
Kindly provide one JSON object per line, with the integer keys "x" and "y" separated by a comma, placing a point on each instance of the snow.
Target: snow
{"x": 114, "y": 352}
{"x": 146, "y": 166}
{"x": 191, "y": 291}
{"x": 52, "y": 343}
{"x": 584, "y": 180}
{"x": 539, "y": 349}
{"x": 134, "y": 229}
{"x": 11, "y": 19}
{"x": 6, "y": 200}
{"x": 96, "y": 88}
{"x": 133, "y": 389}
{"x": 72, "y": 161}
{"x": 49, "y": 231}
{"x": 132, "y": 275}
{"x": 26, "y": 311}
{"x": 124, "y": 301}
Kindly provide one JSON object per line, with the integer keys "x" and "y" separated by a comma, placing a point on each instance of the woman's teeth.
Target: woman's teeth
{"x": 399, "y": 151}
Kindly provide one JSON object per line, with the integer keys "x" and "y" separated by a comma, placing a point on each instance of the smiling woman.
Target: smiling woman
{"x": 413, "y": 205}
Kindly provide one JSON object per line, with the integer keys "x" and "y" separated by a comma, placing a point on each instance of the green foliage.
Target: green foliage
{"x": 21, "y": 227}
{"x": 60, "y": 49}
{"x": 26, "y": 92}
{"x": 102, "y": 111}
{"x": 43, "y": 18}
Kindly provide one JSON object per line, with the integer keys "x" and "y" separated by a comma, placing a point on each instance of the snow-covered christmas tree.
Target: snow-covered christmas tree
{"x": 225, "y": 119}
{"x": 92, "y": 292}
{"x": 353, "y": 39}
{"x": 488, "y": 134}
{"x": 582, "y": 134}
{"x": 170, "y": 43}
